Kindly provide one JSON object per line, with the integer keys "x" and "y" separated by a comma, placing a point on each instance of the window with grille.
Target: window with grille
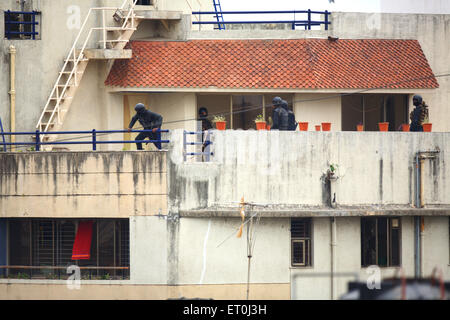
{"x": 380, "y": 241}
{"x": 21, "y": 25}
{"x": 42, "y": 248}
{"x": 301, "y": 242}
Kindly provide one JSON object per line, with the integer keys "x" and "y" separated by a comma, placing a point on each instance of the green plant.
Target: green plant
{"x": 218, "y": 118}
{"x": 260, "y": 118}
{"x": 51, "y": 276}
{"x": 21, "y": 275}
{"x": 31, "y": 149}
{"x": 106, "y": 276}
{"x": 333, "y": 167}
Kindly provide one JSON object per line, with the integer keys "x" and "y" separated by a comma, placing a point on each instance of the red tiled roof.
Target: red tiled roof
{"x": 284, "y": 64}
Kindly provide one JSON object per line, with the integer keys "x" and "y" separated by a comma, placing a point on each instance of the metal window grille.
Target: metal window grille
{"x": 22, "y": 25}
{"x": 301, "y": 242}
{"x": 48, "y": 248}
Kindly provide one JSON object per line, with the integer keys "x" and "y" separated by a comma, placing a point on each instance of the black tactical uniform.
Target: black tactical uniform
{"x": 149, "y": 120}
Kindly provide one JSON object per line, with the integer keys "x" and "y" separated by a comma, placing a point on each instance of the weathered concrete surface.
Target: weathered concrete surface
{"x": 82, "y": 184}
{"x": 286, "y": 171}
{"x": 124, "y": 290}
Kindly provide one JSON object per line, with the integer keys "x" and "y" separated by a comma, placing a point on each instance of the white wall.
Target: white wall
{"x": 318, "y": 108}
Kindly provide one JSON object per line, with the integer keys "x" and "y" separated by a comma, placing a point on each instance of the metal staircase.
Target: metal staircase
{"x": 219, "y": 15}
{"x": 112, "y": 37}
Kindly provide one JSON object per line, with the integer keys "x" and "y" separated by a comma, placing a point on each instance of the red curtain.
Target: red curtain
{"x": 82, "y": 245}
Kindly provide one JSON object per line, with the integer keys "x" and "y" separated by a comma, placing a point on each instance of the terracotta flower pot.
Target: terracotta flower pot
{"x": 318, "y": 128}
{"x": 383, "y": 126}
{"x": 405, "y": 127}
{"x": 427, "y": 127}
{"x": 260, "y": 125}
{"x": 221, "y": 125}
{"x": 268, "y": 127}
{"x": 326, "y": 126}
{"x": 303, "y": 126}
{"x": 359, "y": 127}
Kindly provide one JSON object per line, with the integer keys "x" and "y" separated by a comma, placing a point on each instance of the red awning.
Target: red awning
{"x": 82, "y": 245}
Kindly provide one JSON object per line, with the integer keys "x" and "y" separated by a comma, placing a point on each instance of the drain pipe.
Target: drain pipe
{"x": 12, "y": 93}
{"x": 419, "y": 223}
{"x": 416, "y": 224}
{"x": 333, "y": 258}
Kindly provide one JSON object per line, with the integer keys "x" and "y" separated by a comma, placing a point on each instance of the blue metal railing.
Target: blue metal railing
{"x": 308, "y": 23}
{"x": 93, "y": 133}
{"x": 206, "y": 145}
{"x": 3, "y": 137}
{"x": 9, "y": 21}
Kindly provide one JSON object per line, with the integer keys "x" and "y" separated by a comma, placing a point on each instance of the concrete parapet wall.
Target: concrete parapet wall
{"x": 82, "y": 184}
{"x": 288, "y": 170}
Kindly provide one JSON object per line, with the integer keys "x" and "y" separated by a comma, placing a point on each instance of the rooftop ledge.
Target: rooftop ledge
{"x": 305, "y": 211}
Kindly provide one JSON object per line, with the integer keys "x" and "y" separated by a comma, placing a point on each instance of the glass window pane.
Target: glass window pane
{"x": 368, "y": 241}
{"x": 19, "y": 243}
{"x": 298, "y": 256}
{"x": 382, "y": 242}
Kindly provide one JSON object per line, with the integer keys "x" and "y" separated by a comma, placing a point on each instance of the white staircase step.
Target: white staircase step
{"x": 73, "y": 60}
{"x": 114, "y": 40}
{"x": 61, "y": 98}
{"x": 69, "y": 72}
{"x": 51, "y": 111}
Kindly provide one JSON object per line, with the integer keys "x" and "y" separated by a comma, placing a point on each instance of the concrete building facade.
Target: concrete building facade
{"x": 166, "y": 228}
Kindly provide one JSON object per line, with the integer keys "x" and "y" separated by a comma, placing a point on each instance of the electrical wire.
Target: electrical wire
{"x": 256, "y": 107}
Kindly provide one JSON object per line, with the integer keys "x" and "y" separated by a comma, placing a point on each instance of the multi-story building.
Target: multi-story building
{"x": 164, "y": 224}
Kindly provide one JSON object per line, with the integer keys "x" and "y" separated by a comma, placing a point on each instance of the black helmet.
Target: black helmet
{"x": 277, "y": 101}
{"x": 139, "y": 108}
{"x": 201, "y": 110}
{"x": 284, "y": 104}
{"x": 417, "y": 100}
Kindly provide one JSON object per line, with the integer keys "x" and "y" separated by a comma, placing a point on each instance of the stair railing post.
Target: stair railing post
{"x": 326, "y": 19}
{"x": 94, "y": 140}
{"x": 38, "y": 140}
{"x": 184, "y": 146}
{"x": 309, "y": 19}
{"x": 33, "y": 21}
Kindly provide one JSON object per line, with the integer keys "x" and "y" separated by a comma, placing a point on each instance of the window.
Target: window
{"x": 301, "y": 242}
{"x": 380, "y": 241}
{"x": 240, "y": 111}
{"x": 46, "y": 245}
{"x": 144, "y": 3}
{"x": 22, "y": 25}
{"x": 370, "y": 109}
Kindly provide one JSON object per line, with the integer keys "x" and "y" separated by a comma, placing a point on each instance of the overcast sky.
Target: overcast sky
{"x": 397, "y": 6}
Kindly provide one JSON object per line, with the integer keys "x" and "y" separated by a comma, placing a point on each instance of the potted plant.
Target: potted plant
{"x": 331, "y": 172}
{"x": 360, "y": 127}
{"x": 220, "y": 122}
{"x": 260, "y": 122}
{"x": 303, "y": 126}
{"x": 405, "y": 127}
{"x": 326, "y": 126}
{"x": 383, "y": 126}
{"x": 426, "y": 125}
{"x": 318, "y": 127}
